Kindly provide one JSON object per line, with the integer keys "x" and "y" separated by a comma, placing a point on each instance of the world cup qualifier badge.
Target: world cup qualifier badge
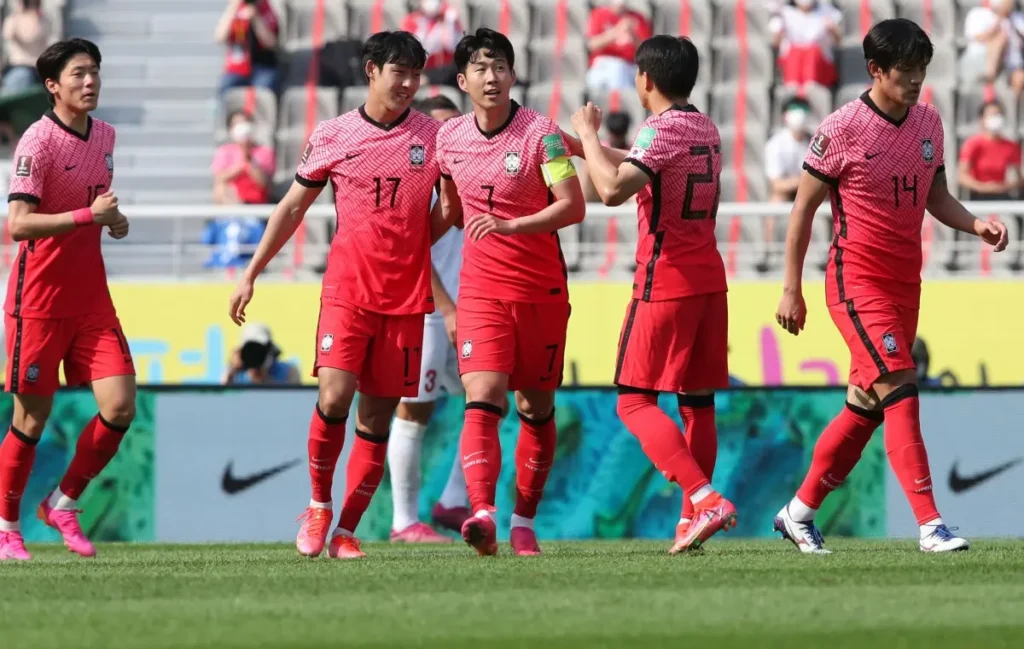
{"x": 927, "y": 150}
{"x": 109, "y": 160}
{"x": 417, "y": 155}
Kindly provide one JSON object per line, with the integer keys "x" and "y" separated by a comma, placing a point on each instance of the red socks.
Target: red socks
{"x": 96, "y": 446}
{"x": 535, "y": 453}
{"x": 326, "y": 439}
{"x": 481, "y": 453}
{"x": 698, "y": 414}
{"x": 363, "y": 475}
{"x": 837, "y": 451}
{"x": 660, "y": 438}
{"x": 17, "y": 452}
{"x": 905, "y": 448}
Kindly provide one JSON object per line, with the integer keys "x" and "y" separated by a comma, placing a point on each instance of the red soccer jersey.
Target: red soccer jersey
{"x": 988, "y": 159}
{"x": 880, "y": 170}
{"x": 676, "y": 251}
{"x": 60, "y": 170}
{"x": 383, "y": 178}
{"x": 500, "y": 173}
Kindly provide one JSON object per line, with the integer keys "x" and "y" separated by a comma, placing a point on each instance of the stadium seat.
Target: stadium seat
{"x": 962, "y": 9}
{"x": 728, "y": 57}
{"x": 938, "y": 18}
{"x": 851, "y": 65}
{"x": 300, "y": 16}
{"x": 751, "y": 146}
{"x": 755, "y": 16}
{"x": 757, "y": 184}
{"x": 367, "y": 17}
{"x": 547, "y": 62}
{"x": 450, "y": 92}
{"x": 264, "y": 111}
{"x": 943, "y": 68}
{"x": 353, "y": 97}
{"x": 639, "y": 6}
{"x": 625, "y": 102}
{"x": 856, "y": 24}
{"x": 819, "y": 98}
{"x": 556, "y": 100}
{"x": 288, "y": 149}
{"x": 943, "y": 97}
{"x": 970, "y": 100}
{"x": 700, "y": 98}
{"x": 511, "y": 17}
{"x": 757, "y": 105}
{"x": 547, "y": 18}
{"x": 848, "y": 93}
{"x": 294, "y": 101}
{"x": 690, "y": 18}
{"x": 517, "y": 92}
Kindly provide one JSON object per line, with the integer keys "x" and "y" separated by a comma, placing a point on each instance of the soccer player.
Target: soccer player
{"x": 506, "y": 173}
{"x": 439, "y": 370}
{"x": 58, "y": 306}
{"x": 675, "y": 335}
{"x": 880, "y": 157}
{"x": 381, "y": 164}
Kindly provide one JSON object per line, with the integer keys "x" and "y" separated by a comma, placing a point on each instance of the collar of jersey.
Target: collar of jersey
{"x": 381, "y": 126}
{"x": 56, "y": 120}
{"x": 866, "y": 98}
{"x": 496, "y": 132}
{"x": 688, "y": 108}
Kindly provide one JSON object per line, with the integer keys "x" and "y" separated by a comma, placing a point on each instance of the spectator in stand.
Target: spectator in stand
{"x": 990, "y": 168}
{"x": 806, "y": 34}
{"x": 27, "y": 32}
{"x": 438, "y": 27}
{"x": 242, "y": 169}
{"x": 994, "y": 44}
{"x": 257, "y": 361}
{"x": 249, "y": 30}
{"x": 612, "y": 38}
{"x": 783, "y": 163}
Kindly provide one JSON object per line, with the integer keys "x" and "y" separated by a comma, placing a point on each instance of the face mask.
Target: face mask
{"x": 241, "y": 132}
{"x": 795, "y": 119}
{"x": 431, "y": 7}
{"x": 994, "y": 123}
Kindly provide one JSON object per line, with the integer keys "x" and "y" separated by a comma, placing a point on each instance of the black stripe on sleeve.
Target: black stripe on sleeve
{"x": 28, "y": 198}
{"x": 823, "y": 177}
{"x": 641, "y": 166}
{"x": 311, "y": 184}
{"x": 446, "y": 176}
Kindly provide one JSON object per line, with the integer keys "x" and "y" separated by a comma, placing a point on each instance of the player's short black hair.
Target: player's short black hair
{"x": 671, "y": 63}
{"x": 54, "y": 59}
{"x": 487, "y": 42}
{"x": 991, "y": 102}
{"x": 440, "y": 102}
{"x": 796, "y": 102}
{"x": 618, "y": 123}
{"x": 397, "y": 48}
{"x": 898, "y": 43}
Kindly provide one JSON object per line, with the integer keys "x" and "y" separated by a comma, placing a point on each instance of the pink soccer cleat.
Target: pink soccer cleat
{"x": 524, "y": 542}
{"x": 681, "y": 529}
{"x": 12, "y": 547}
{"x": 65, "y": 521}
{"x": 450, "y": 518}
{"x": 316, "y": 522}
{"x": 481, "y": 534}
{"x": 345, "y": 547}
{"x": 419, "y": 533}
{"x": 713, "y": 515}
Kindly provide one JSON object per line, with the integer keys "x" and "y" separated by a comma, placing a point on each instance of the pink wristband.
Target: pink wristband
{"x": 82, "y": 217}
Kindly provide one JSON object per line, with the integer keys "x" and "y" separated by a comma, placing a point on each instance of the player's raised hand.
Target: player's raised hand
{"x": 792, "y": 312}
{"x": 992, "y": 232}
{"x": 587, "y": 120}
{"x": 479, "y": 227}
{"x": 104, "y": 209}
{"x": 119, "y": 228}
{"x": 239, "y": 300}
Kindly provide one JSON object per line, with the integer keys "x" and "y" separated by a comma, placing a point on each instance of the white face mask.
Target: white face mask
{"x": 431, "y": 7}
{"x": 241, "y": 132}
{"x": 795, "y": 119}
{"x": 994, "y": 123}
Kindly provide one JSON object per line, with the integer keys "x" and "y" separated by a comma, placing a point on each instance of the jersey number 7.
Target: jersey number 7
{"x": 693, "y": 180}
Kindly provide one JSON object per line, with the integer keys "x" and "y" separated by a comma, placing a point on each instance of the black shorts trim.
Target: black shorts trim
{"x": 311, "y": 184}
{"x": 625, "y": 338}
{"x": 873, "y": 415}
{"x": 823, "y": 177}
{"x": 641, "y": 166}
{"x": 908, "y": 391}
{"x": 28, "y": 198}
{"x": 864, "y": 338}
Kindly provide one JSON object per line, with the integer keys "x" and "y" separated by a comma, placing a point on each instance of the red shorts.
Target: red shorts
{"x": 383, "y": 351}
{"x": 880, "y": 335}
{"x": 524, "y": 340}
{"x": 92, "y": 347}
{"x": 676, "y": 345}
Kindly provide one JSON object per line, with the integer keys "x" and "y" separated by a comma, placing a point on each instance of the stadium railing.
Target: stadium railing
{"x": 166, "y": 242}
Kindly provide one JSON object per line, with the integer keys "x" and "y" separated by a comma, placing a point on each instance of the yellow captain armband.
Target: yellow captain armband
{"x": 557, "y": 170}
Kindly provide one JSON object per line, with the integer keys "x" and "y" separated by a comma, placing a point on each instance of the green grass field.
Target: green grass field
{"x": 868, "y": 595}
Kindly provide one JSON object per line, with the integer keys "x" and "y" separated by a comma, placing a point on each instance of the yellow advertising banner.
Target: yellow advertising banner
{"x": 181, "y": 333}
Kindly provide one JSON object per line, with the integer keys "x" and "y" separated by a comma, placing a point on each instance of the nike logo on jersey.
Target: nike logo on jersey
{"x": 457, "y": 162}
{"x": 232, "y": 484}
{"x": 868, "y": 156}
{"x": 352, "y": 155}
{"x": 959, "y": 483}
{"x": 409, "y": 384}
{"x": 69, "y": 167}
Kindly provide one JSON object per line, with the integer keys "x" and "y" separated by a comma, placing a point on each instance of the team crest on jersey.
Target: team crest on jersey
{"x": 326, "y": 343}
{"x": 109, "y": 160}
{"x": 417, "y": 155}
{"x": 32, "y": 373}
{"x": 467, "y": 348}
{"x": 819, "y": 145}
{"x": 512, "y": 163}
{"x": 24, "y": 166}
{"x": 889, "y": 341}
{"x": 927, "y": 150}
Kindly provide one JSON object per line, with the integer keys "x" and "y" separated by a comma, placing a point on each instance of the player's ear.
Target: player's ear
{"x": 461, "y": 78}
{"x": 52, "y": 86}
{"x": 369, "y": 70}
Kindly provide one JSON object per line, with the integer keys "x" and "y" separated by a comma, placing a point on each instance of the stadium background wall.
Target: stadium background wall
{"x": 190, "y": 447}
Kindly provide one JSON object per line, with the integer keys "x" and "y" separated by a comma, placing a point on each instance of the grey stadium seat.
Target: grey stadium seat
{"x": 264, "y": 112}
{"x": 518, "y": 94}
{"x": 364, "y": 19}
{"x": 692, "y": 19}
{"x": 819, "y": 98}
{"x": 943, "y": 68}
{"x": 943, "y": 97}
{"x": 546, "y": 63}
{"x": 725, "y": 63}
{"x": 293, "y": 106}
{"x": 757, "y": 105}
{"x": 938, "y": 18}
{"x": 300, "y": 16}
{"x": 757, "y": 184}
{"x": 353, "y": 97}
{"x": 539, "y": 97}
{"x": 756, "y": 16}
{"x": 639, "y": 6}
{"x": 848, "y": 93}
{"x": 851, "y": 65}
{"x": 511, "y": 17}
{"x": 544, "y": 18}
{"x": 880, "y": 10}
{"x": 625, "y": 102}
{"x": 753, "y": 142}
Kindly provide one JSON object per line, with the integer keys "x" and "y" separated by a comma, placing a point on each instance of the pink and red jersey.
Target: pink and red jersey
{"x": 880, "y": 171}
{"x": 60, "y": 170}
{"x": 676, "y": 251}
{"x": 501, "y": 173}
{"x": 383, "y": 177}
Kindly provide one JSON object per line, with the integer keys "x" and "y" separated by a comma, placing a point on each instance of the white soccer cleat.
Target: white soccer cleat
{"x": 804, "y": 535}
{"x": 943, "y": 540}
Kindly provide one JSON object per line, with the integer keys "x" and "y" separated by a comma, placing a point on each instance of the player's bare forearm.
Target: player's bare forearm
{"x": 948, "y": 210}
{"x": 26, "y": 225}
{"x": 809, "y": 195}
{"x": 576, "y": 149}
{"x": 283, "y": 223}
{"x": 451, "y": 204}
{"x": 615, "y": 183}
{"x": 439, "y": 224}
{"x": 569, "y": 208}
{"x": 442, "y": 301}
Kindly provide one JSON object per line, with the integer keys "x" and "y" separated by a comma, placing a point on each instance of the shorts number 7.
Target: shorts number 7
{"x": 554, "y": 352}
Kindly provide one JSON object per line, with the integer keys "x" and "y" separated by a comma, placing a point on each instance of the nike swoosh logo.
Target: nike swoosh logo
{"x": 457, "y": 162}
{"x": 352, "y": 155}
{"x": 232, "y": 484}
{"x": 466, "y": 457}
{"x": 69, "y": 167}
{"x": 409, "y": 384}
{"x": 868, "y": 156}
{"x": 922, "y": 480}
{"x": 959, "y": 483}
